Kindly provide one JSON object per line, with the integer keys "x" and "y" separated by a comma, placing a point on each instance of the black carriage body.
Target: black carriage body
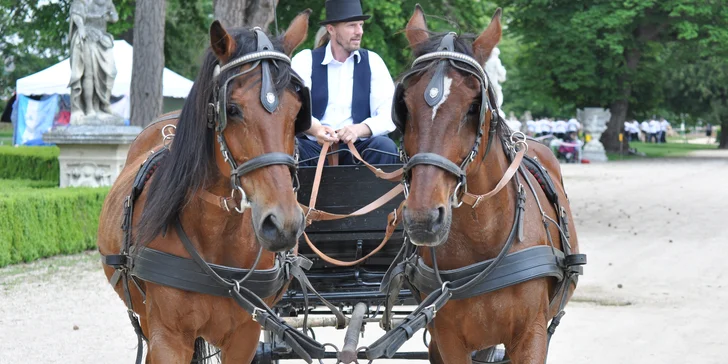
{"x": 345, "y": 189}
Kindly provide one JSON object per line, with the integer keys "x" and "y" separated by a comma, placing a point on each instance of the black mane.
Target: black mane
{"x": 190, "y": 164}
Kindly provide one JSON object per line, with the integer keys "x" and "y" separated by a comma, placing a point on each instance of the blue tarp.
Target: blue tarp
{"x": 33, "y": 119}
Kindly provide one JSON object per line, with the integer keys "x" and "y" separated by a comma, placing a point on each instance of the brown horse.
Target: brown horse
{"x": 172, "y": 319}
{"x": 516, "y": 316}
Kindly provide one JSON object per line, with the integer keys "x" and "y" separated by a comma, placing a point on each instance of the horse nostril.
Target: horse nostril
{"x": 438, "y": 219}
{"x": 270, "y": 227}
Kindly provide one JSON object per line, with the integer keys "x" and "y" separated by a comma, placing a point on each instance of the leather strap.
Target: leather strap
{"x": 474, "y": 200}
{"x": 268, "y": 159}
{"x": 306, "y": 347}
{"x": 226, "y": 203}
{"x": 317, "y": 215}
{"x": 392, "y": 222}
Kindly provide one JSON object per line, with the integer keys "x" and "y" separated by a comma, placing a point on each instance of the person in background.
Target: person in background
{"x": 664, "y": 126}
{"x": 559, "y": 129}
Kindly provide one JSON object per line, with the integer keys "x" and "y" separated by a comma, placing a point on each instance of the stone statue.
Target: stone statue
{"x": 92, "y": 62}
{"x": 496, "y": 73}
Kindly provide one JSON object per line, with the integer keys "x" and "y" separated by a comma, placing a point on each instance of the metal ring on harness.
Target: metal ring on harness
{"x": 456, "y": 201}
{"x": 244, "y": 204}
{"x": 167, "y": 137}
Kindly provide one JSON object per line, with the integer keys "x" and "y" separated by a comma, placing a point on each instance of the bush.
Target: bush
{"x": 34, "y": 163}
{"x": 41, "y": 222}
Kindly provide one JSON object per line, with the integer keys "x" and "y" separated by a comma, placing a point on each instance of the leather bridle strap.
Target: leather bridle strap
{"x": 392, "y": 222}
{"x": 268, "y": 159}
{"x": 436, "y": 160}
{"x": 474, "y": 200}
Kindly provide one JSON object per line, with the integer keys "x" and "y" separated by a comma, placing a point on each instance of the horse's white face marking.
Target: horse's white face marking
{"x": 448, "y": 83}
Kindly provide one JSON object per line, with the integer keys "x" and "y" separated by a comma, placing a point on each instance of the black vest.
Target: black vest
{"x": 360, "y": 109}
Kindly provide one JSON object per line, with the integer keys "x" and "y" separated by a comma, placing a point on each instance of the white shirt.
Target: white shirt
{"x": 341, "y": 83}
{"x": 664, "y": 124}
{"x": 560, "y": 126}
{"x": 645, "y": 126}
{"x": 545, "y": 125}
{"x": 533, "y": 127}
{"x": 513, "y": 124}
{"x": 654, "y": 126}
{"x": 572, "y": 125}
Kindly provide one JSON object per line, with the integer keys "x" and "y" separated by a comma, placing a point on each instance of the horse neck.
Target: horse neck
{"x": 479, "y": 233}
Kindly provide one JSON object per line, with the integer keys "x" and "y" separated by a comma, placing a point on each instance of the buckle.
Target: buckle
{"x": 255, "y": 313}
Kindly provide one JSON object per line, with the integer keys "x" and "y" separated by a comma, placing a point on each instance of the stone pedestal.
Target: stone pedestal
{"x": 91, "y": 156}
{"x": 594, "y": 121}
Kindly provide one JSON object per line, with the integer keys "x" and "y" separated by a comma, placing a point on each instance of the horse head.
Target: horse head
{"x": 236, "y": 135}
{"x": 442, "y": 107}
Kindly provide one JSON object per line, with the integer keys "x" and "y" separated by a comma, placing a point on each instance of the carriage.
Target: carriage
{"x": 354, "y": 289}
{"x": 516, "y": 259}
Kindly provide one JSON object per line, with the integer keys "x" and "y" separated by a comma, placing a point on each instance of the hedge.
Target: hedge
{"x": 38, "y": 223}
{"x": 34, "y": 163}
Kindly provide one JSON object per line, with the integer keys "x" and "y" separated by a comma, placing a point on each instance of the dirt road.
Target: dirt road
{"x": 655, "y": 289}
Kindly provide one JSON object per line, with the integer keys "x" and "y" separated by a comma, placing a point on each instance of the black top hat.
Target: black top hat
{"x": 338, "y": 11}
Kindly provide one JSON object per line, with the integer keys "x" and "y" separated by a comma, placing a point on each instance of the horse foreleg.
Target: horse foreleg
{"x": 242, "y": 345}
{"x": 434, "y": 353}
{"x": 448, "y": 349}
{"x": 529, "y": 347}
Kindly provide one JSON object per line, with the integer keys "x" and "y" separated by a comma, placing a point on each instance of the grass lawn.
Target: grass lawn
{"x": 661, "y": 150}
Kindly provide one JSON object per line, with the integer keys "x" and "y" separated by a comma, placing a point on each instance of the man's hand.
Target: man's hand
{"x": 351, "y": 133}
{"x": 324, "y": 134}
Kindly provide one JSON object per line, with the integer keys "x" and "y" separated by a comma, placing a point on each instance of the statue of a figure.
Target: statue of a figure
{"x": 497, "y": 74}
{"x": 92, "y": 62}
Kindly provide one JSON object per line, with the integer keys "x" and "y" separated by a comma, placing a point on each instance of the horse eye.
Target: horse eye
{"x": 234, "y": 111}
{"x": 474, "y": 109}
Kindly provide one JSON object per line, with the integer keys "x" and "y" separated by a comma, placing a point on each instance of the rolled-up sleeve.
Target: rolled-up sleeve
{"x": 380, "y": 98}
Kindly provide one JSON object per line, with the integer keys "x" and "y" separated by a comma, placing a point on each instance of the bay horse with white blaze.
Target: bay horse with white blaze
{"x": 220, "y": 200}
{"x": 459, "y": 146}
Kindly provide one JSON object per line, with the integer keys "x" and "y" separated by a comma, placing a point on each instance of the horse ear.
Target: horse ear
{"x": 222, "y": 44}
{"x": 297, "y": 32}
{"x": 483, "y": 46}
{"x": 416, "y": 30}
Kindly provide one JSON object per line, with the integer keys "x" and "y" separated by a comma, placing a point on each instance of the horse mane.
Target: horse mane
{"x": 190, "y": 164}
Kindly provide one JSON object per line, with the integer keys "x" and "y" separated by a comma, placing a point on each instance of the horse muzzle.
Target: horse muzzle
{"x": 427, "y": 227}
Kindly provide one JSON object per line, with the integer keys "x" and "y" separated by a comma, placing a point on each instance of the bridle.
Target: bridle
{"x": 434, "y": 92}
{"x": 265, "y": 56}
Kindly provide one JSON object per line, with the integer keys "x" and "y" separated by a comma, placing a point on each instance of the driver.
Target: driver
{"x": 351, "y": 90}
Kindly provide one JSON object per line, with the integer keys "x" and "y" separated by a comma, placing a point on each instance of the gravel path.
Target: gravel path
{"x": 655, "y": 289}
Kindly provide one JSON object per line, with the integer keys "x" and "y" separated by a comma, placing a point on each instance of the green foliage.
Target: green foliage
{"x": 34, "y": 163}
{"x": 383, "y": 31}
{"x": 38, "y": 223}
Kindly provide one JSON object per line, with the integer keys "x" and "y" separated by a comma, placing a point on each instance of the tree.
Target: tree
{"x": 597, "y": 52}
{"x": 148, "y": 64}
{"x": 245, "y": 13}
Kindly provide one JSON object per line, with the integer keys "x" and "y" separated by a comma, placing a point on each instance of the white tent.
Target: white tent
{"x": 54, "y": 79}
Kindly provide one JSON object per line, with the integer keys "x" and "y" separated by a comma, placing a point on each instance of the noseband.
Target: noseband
{"x": 217, "y": 112}
{"x": 434, "y": 92}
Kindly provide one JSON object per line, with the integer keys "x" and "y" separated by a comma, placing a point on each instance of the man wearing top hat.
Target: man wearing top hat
{"x": 351, "y": 89}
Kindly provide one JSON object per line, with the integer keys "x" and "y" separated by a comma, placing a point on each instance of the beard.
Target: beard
{"x": 348, "y": 45}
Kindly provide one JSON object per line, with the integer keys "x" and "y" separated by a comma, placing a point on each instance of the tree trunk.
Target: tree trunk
{"x": 148, "y": 64}
{"x": 618, "y": 108}
{"x": 723, "y": 134}
{"x": 245, "y": 13}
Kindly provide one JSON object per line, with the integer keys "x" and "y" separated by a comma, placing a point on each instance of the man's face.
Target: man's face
{"x": 348, "y": 35}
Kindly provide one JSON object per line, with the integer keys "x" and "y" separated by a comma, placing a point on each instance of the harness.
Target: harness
{"x": 506, "y": 269}
{"x": 245, "y": 286}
